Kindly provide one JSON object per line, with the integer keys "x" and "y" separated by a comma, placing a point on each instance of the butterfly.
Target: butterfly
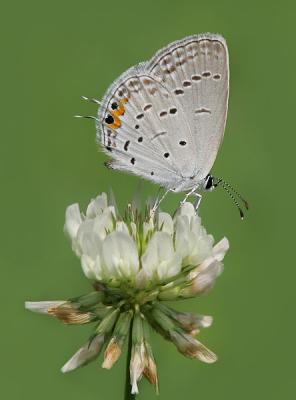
{"x": 164, "y": 119}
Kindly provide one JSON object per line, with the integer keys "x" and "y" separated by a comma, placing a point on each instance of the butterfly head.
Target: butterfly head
{"x": 210, "y": 183}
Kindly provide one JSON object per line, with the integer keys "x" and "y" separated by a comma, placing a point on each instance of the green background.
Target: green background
{"x": 52, "y": 53}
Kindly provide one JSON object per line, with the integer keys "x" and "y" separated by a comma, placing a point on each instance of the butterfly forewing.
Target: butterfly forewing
{"x": 164, "y": 119}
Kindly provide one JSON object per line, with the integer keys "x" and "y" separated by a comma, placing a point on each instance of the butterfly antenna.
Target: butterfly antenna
{"x": 235, "y": 192}
{"x": 225, "y": 187}
{"x": 91, "y": 99}
{"x": 86, "y": 116}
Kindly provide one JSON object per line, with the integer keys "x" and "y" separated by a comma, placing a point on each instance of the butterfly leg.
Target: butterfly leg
{"x": 198, "y": 200}
{"x": 192, "y": 191}
{"x": 158, "y": 201}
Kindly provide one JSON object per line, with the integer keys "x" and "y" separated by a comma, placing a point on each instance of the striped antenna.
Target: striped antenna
{"x": 235, "y": 192}
{"x": 221, "y": 182}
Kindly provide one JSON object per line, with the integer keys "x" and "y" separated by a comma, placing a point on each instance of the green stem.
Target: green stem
{"x": 128, "y": 388}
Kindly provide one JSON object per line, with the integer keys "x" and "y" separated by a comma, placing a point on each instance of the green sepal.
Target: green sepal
{"x": 169, "y": 294}
{"x": 165, "y": 322}
{"x": 122, "y": 326}
{"x": 107, "y": 323}
{"x": 100, "y": 311}
{"x": 86, "y": 301}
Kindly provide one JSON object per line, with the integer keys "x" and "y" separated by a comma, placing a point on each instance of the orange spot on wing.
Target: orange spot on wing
{"x": 117, "y": 123}
{"x": 120, "y": 110}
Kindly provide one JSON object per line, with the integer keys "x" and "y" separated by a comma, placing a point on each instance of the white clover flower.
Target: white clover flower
{"x": 134, "y": 263}
{"x": 117, "y": 251}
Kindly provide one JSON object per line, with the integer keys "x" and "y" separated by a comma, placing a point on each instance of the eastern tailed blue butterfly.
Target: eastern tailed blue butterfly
{"x": 164, "y": 119}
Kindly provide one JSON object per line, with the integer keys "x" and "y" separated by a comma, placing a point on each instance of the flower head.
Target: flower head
{"x": 135, "y": 262}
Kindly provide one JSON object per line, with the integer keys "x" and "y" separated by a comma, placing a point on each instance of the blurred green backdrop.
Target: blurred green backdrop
{"x": 52, "y": 53}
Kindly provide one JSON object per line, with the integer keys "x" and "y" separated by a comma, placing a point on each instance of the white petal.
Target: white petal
{"x": 103, "y": 223}
{"x": 201, "y": 248}
{"x": 141, "y": 279}
{"x": 88, "y": 241}
{"x": 196, "y": 226}
{"x": 84, "y": 355}
{"x": 218, "y": 254}
{"x": 182, "y": 236}
{"x": 206, "y": 279}
{"x": 97, "y": 206}
{"x": 72, "y": 221}
{"x": 42, "y": 307}
{"x": 150, "y": 259}
{"x": 98, "y": 268}
{"x": 160, "y": 259}
{"x": 187, "y": 209}
{"x": 148, "y": 227}
{"x": 170, "y": 267}
{"x": 121, "y": 227}
{"x": 87, "y": 264}
{"x": 185, "y": 240}
{"x": 220, "y": 249}
{"x": 165, "y": 223}
{"x": 120, "y": 255}
{"x": 92, "y": 268}
{"x": 137, "y": 365}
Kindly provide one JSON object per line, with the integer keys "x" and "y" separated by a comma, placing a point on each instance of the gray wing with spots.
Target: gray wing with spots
{"x": 154, "y": 117}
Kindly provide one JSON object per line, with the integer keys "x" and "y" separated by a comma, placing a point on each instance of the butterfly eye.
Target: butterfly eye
{"x": 114, "y": 106}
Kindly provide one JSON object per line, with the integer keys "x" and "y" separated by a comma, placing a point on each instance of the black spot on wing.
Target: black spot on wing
{"x": 126, "y": 145}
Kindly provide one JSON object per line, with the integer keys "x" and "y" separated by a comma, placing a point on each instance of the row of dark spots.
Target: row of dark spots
{"x": 172, "y": 110}
{"x": 206, "y": 74}
{"x": 195, "y": 78}
{"x": 127, "y": 143}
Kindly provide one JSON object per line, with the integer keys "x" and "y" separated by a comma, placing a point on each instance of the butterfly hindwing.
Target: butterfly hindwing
{"x": 138, "y": 119}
